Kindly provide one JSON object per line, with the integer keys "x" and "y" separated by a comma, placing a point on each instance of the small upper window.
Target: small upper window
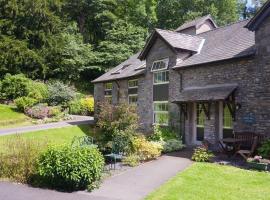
{"x": 133, "y": 83}
{"x": 108, "y": 86}
{"x": 160, "y": 65}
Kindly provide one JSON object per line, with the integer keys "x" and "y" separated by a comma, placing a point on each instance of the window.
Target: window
{"x": 108, "y": 86}
{"x": 160, "y": 65}
{"x": 200, "y": 116}
{"x": 132, "y": 83}
{"x": 161, "y": 114}
{"x": 161, "y": 77}
{"x": 227, "y": 118}
{"x": 132, "y": 99}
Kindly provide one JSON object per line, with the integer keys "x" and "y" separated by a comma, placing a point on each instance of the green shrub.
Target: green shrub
{"x": 162, "y": 134}
{"x": 54, "y": 111}
{"x": 172, "y": 145}
{"x": 201, "y": 154}
{"x": 75, "y": 107}
{"x": 14, "y": 86}
{"x": 264, "y": 150}
{"x": 24, "y": 102}
{"x": 18, "y": 158}
{"x": 131, "y": 160}
{"x": 146, "y": 150}
{"x": 59, "y": 93}
{"x": 120, "y": 117}
{"x": 38, "y": 91}
{"x": 70, "y": 168}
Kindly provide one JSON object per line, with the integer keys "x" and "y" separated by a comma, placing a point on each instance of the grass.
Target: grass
{"x": 52, "y": 136}
{"x": 9, "y": 117}
{"x": 206, "y": 181}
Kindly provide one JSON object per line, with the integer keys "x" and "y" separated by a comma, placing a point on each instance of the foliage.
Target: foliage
{"x": 122, "y": 41}
{"x": 162, "y": 134}
{"x": 201, "y": 154}
{"x": 24, "y": 102}
{"x": 172, "y": 13}
{"x": 70, "y": 168}
{"x": 264, "y": 150}
{"x": 131, "y": 160}
{"x": 113, "y": 118}
{"x": 83, "y": 106}
{"x": 172, "y": 145}
{"x": 38, "y": 91}
{"x": 18, "y": 163}
{"x": 59, "y": 93}
{"x": 88, "y": 105}
{"x": 15, "y": 86}
{"x": 146, "y": 150}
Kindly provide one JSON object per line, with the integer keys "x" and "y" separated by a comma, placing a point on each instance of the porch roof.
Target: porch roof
{"x": 208, "y": 93}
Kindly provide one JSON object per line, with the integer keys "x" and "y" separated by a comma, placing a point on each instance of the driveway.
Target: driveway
{"x": 77, "y": 120}
{"x": 132, "y": 184}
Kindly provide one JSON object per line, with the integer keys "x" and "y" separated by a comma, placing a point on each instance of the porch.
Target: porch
{"x": 208, "y": 113}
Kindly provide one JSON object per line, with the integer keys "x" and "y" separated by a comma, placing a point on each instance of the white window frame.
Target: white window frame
{"x": 162, "y": 112}
{"x": 166, "y": 82}
{"x": 166, "y": 60}
{"x": 134, "y": 86}
{"x": 132, "y": 95}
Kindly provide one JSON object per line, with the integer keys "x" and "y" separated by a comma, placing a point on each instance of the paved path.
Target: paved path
{"x": 132, "y": 184}
{"x": 76, "y": 121}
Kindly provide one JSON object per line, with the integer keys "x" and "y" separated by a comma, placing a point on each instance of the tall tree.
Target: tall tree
{"x": 173, "y": 13}
{"x": 94, "y": 17}
{"x": 123, "y": 40}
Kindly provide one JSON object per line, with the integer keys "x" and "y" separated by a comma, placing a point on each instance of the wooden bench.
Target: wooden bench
{"x": 248, "y": 138}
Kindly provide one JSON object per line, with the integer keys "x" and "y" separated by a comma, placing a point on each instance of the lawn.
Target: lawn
{"x": 215, "y": 182}
{"x": 52, "y": 136}
{"x": 9, "y": 117}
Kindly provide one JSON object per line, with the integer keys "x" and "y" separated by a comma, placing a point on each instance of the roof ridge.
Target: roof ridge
{"x": 225, "y": 26}
{"x": 184, "y": 34}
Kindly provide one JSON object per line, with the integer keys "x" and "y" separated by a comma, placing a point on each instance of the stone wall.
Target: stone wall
{"x": 159, "y": 51}
{"x": 250, "y": 93}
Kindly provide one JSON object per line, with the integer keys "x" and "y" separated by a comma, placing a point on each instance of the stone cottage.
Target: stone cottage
{"x": 208, "y": 81}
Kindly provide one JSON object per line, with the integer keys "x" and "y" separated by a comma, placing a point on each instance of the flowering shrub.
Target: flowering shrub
{"x": 88, "y": 104}
{"x": 42, "y": 111}
{"x": 83, "y": 106}
{"x": 201, "y": 154}
{"x": 162, "y": 134}
{"x": 146, "y": 150}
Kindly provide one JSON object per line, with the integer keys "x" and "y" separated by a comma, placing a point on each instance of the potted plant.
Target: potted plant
{"x": 258, "y": 163}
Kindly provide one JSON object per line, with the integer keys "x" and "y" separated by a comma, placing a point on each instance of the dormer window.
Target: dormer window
{"x": 121, "y": 69}
{"x": 160, "y": 65}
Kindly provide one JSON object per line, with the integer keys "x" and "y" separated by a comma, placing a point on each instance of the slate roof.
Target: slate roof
{"x": 232, "y": 41}
{"x": 175, "y": 40}
{"x": 259, "y": 17}
{"x": 129, "y": 68}
{"x": 181, "y": 41}
{"x": 207, "y": 93}
{"x": 196, "y": 23}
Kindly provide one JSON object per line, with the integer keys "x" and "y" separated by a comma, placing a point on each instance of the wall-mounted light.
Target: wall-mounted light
{"x": 238, "y": 106}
